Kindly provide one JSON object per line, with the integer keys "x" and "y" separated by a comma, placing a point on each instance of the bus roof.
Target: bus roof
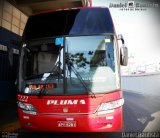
{"x": 53, "y": 10}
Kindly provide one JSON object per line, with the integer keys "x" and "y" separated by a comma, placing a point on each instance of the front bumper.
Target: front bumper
{"x": 109, "y": 122}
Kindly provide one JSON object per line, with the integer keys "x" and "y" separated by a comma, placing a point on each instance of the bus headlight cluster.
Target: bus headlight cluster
{"x": 111, "y": 105}
{"x": 26, "y": 106}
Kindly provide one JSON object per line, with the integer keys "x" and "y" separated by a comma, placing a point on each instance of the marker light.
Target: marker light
{"x": 59, "y": 41}
{"x": 111, "y": 105}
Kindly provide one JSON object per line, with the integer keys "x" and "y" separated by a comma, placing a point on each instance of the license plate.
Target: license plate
{"x": 66, "y": 123}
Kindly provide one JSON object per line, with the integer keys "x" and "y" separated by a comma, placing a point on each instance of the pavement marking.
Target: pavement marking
{"x": 13, "y": 126}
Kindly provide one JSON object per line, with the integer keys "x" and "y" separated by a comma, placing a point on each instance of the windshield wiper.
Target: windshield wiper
{"x": 55, "y": 71}
{"x": 71, "y": 67}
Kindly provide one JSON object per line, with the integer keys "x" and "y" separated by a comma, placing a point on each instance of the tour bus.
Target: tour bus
{"x": 69, "y": 72}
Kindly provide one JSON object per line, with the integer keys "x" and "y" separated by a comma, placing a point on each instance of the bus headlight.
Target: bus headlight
{"x": 111, "y": 105}
{"x": 26, "y": 106}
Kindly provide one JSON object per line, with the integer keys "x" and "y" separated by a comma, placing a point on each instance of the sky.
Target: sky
{"x": 140, "y": 29}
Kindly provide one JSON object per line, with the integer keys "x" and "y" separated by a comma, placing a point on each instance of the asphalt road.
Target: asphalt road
{"x": 141, "y": 114}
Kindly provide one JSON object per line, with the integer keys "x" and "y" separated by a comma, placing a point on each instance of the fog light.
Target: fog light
{"x": 28, "y": 123}
{"x": 109, "y": 125}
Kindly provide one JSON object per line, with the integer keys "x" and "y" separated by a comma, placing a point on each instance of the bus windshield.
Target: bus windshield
{"x": 85, "y": 59}
{"x": 90, "y": 64}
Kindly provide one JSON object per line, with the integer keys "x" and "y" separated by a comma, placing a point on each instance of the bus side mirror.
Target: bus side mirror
{"x": 124, "y": 55}
{"x": 123, "y": 52}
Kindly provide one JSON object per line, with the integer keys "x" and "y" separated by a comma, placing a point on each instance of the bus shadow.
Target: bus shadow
{"x": 138, "y": 110}
{"x": 69, "y": 135}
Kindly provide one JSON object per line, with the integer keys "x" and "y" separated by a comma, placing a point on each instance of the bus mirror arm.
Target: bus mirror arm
{"x": 120, "y": 37}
